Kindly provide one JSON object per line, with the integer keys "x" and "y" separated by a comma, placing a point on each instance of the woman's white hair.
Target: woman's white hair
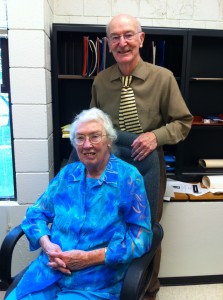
{"x": 93, "y": 114}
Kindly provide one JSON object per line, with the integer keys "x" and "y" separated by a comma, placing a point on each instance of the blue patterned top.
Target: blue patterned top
{"x": 88, "y": 214}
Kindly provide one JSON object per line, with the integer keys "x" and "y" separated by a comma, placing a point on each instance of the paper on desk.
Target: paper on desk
{"x": 169, "y": 193}
{"x": 174, "y": 186}
{"x": 213, "y": 183}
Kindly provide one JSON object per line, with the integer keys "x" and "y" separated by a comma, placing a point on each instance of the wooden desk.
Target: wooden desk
{"x": 205, "y": 197}
{"x": 180, "y": 197}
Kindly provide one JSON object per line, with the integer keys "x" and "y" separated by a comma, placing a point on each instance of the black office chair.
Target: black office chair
{"x": 137, "y": 278}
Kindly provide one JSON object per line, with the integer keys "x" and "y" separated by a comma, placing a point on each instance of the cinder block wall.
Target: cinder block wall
{"x": 29, "y": 25}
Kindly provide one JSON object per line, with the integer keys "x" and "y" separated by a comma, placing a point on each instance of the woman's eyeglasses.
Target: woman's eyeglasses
{"x": 94, "y": 138}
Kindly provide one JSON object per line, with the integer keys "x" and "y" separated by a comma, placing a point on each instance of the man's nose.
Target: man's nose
{"x": 122, "y": 40}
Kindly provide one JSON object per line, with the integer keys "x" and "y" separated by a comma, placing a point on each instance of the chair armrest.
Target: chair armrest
{"x": 139, "y": 273}
{"x": 6, "y": 252}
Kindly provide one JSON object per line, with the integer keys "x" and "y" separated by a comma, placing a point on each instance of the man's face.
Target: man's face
{"x": 124, "y": 40}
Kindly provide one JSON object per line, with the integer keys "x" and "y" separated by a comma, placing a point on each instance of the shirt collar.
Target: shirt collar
{"x": 109, "y": 176}
{"x": 140, "y": 71}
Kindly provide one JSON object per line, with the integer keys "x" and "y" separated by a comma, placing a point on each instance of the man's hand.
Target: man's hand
{"x": 143, "y": 145}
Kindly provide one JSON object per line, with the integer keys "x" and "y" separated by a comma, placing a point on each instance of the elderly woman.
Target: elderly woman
{"x": 100, "y": 221}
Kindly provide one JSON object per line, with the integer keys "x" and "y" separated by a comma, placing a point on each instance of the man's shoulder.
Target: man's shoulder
{"x": 156, "y": 68}
{"x": 107, "y": 74}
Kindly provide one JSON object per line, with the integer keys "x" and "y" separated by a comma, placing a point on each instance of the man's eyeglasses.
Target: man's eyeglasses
{"x": 94, "y": 138}
{"x": 126, "y": 36}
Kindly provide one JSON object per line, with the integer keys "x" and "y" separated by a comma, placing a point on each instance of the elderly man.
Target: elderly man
{"x": 141, "y": 98}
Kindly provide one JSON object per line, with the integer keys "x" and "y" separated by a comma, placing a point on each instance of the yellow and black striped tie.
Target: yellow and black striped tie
{"x": 128, "y": 115}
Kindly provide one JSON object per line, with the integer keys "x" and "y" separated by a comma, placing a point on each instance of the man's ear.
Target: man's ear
{"x": 141, "y": 37}
{"x": 108, "y": 44}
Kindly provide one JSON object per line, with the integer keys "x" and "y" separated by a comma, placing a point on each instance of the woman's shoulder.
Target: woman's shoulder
{"x": 124, "y": 166}
{"x": 71, "y": 169}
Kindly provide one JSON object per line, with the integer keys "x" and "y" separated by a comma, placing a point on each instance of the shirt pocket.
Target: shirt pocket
{"x": 150, "y": 119}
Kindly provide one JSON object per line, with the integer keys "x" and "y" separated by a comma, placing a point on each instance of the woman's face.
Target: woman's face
{"x": 93, "y": 147}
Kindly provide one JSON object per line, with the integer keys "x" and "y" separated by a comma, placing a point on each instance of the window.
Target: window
{"x": 7, "y": 190}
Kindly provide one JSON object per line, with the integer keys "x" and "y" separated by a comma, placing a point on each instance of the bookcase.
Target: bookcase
{"x": 195, "y": 58}
{"x": 204, "y": 97}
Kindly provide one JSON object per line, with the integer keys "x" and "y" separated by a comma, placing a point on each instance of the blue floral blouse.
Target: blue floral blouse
{"x": 88, "y": 214}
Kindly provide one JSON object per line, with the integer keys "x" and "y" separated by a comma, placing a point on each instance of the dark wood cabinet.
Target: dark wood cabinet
{"x": 194, "y": 57}
{"x": 204, "y": 97}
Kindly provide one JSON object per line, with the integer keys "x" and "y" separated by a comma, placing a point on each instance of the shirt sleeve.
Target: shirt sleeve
{"x": 94, "y": 102}
{"x": 40, "y": 215}
{"x": 176, "y": 115}
{"x": 134, "y": 238}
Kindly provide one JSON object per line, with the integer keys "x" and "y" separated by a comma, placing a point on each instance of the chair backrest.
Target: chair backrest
{"x": 148, "y": 167}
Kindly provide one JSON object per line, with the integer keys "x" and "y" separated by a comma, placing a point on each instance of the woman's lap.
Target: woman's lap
{"x": 54, "y": 292}
{"x": 49, "y": 293}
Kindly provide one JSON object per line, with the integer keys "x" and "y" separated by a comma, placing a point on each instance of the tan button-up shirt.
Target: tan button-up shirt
{"x": 159, "y": 102}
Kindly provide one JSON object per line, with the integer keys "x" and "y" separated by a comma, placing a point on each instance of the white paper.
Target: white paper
{"x": 186, "y": 188}
{"x": 213, "y": 183}
{"x": 169, "y": 193}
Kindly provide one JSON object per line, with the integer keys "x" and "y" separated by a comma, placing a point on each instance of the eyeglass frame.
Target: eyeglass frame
{"x": 89, "y": 136}
{"x": 124, "y": 35}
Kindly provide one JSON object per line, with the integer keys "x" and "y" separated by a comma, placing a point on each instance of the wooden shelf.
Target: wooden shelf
{"x": 201, "y": 121}
{"x": 196, "y": 123}
{"x": 74, "y": 77}
{"x": 206, "y": 79}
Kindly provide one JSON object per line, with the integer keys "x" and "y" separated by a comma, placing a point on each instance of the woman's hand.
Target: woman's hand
{"x": 75, "y": 259}
{"x": 54, "y": 261}
{"x": 79, "y": 259}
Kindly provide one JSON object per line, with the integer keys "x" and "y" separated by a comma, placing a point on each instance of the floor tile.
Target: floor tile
{"x": 192, "y": 292}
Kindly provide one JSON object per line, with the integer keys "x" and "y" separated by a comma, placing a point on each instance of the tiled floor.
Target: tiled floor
{"x": 1, "y": 295}
{"x": 192, "y": 292}
{"x": 189, "y": 292}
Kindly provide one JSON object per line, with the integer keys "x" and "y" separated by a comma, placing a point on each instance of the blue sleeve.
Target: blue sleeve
{"x": 40, "y": 215}
{"x": 135, "y": 236}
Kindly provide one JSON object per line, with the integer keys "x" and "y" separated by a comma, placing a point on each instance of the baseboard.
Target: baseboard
{"x": 190, "y": 280}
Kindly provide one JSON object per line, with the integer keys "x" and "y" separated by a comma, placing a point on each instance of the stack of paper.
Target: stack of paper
{"x": 66, "y": 131}
{"x": 174, "y": 186}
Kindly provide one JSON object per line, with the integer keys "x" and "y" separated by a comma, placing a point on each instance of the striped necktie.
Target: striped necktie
{"x": 128, "y": 115}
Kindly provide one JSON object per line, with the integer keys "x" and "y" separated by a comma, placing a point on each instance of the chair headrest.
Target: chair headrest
{"x": 122, "y": 148}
